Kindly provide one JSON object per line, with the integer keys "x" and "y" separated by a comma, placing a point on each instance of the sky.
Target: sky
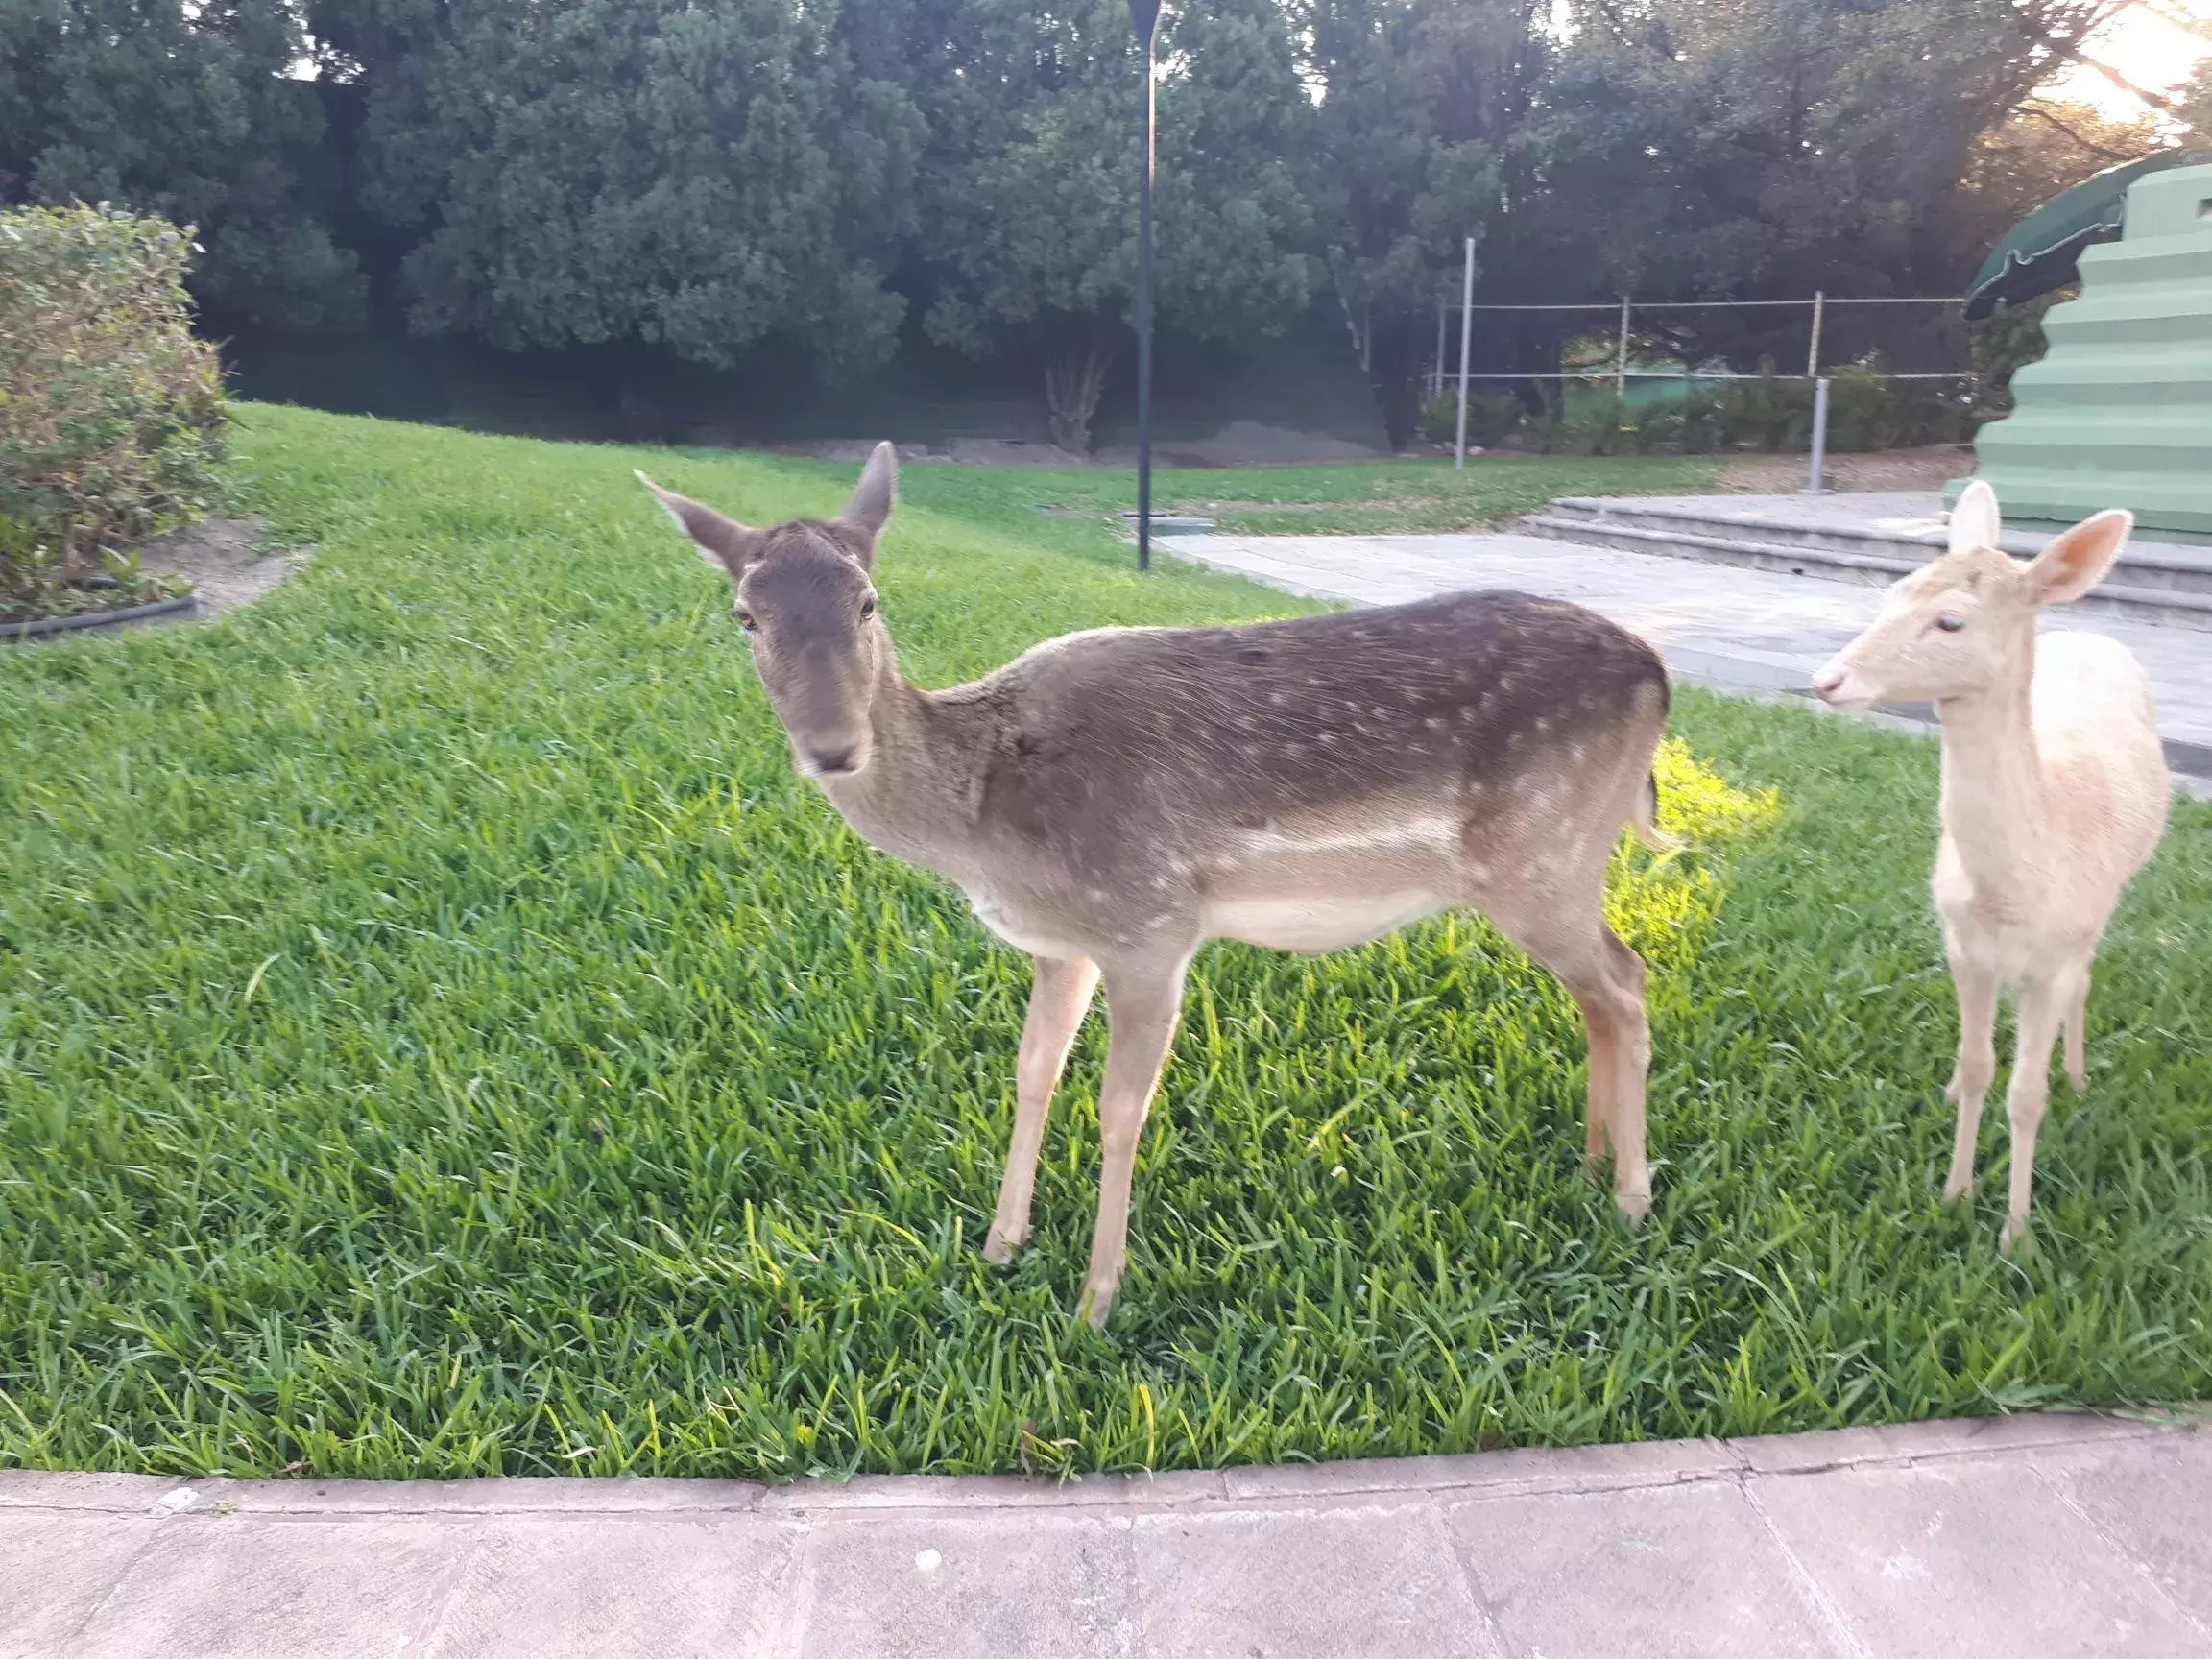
{"x": 2144, "y": 47}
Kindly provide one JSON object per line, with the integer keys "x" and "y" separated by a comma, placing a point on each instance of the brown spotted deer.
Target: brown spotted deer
{"x": 1112, "y": 800}
{"x": 2054, "y": 793}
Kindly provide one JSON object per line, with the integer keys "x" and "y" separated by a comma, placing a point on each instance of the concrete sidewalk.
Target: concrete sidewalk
{"x": 2027, "y": 1537}
{"x": 1723, "y": 625}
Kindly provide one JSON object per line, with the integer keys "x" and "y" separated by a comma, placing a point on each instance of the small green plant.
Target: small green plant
{"x": 112, "y": 413}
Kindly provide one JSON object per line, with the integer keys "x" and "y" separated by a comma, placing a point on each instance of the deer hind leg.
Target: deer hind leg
{"x": 1142, "y": 1001}
{"x": 1606, "y": 980}
{"x": 2077, "y": 1023}
{"x": 1975, "y": 1066}
{"x": 2042, "y": 1007}
{"x": 1058, "y": 998}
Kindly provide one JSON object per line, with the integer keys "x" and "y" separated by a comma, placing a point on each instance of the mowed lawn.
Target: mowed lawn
{"x": 1360, "y": 497}
{"x": 438, "y": 1035}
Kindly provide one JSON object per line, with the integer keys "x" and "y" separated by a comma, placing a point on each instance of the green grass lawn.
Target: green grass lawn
{"x": 438, "y": 1035}
{"x": 1372, "y": 498}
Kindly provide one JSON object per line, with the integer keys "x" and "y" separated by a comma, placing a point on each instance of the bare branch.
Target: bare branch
{"x": 2042, "y": 113}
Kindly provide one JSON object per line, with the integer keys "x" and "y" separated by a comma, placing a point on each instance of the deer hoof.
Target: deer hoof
{"x": 1095, "y": 1304}
{"x": 1633, "y": 1207}
{"x": 2015, "y": 1239}
{"x": 997, "y": 1248}
{"x": 2078, "y": 1081}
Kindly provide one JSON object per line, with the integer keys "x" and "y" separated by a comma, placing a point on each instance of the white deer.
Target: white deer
{"x": 1112, "y": 800}
{"x": 2054, "y": 793}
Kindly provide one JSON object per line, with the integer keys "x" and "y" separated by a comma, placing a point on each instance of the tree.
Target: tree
{"x": 1031, "y": 232}
{"x": 1419, "y": 99}
{"x": 610, "y": 170}
{"x": 1752, "y": 149}
{"x": 192, "y": 113}
{"x": 2196, "y": 104}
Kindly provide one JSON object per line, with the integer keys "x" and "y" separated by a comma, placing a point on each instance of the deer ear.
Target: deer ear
{"x": 1974, "y": 521}
{"x": 870, "y": 507}
{"x": 723, "y": 543}
{"x": 2077, "y": 561}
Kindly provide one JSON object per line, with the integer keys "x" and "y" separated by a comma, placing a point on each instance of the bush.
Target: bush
{"x": 2002, "y": 343}
{"x": 1598, "y": 426}
{"x": 1704, "y": 412}
{"x": 1491, "y": 416}
{"x": 1658, "y": 425}
{"x": 111, "y": 414}
{"x": 1767, "y": 411}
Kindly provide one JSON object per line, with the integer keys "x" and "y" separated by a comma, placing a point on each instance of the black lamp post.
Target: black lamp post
{"x": 1144, "y": 18}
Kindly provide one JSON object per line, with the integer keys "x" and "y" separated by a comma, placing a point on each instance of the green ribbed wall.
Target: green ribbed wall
{"x": 2119, "y": 411}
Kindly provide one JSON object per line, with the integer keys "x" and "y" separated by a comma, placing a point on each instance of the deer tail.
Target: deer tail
{"x": 1645, "y": 821}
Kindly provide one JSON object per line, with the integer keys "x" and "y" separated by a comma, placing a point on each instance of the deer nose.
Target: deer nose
{"x": 1829, "y": 681}
{"x": 830, "y": 762}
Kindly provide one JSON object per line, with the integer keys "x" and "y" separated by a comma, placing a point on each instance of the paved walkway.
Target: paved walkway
{"x": 1720, "y": 624}
{"x": 2027, "y": 1537}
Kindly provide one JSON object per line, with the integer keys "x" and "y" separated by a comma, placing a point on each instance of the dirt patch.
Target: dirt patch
{"x": 849, "y": 452}
{"x": 1929, "y": 468}
{"x": 226, "y": 559}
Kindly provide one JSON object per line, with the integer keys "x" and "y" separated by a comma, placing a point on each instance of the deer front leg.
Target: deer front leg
{"x": 2041, "y": 1009}
{"x": 1975, "y": 1066}
{"x": 1058, "y": 995}
{"x": 1141, "y": 1008}
{"x": 2076, "y": 1018}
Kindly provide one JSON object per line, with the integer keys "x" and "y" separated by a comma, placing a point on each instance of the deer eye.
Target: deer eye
{"x": 1950, "y": 624}
{"x": 867, "y": 607}
{"x": 745, "y": 620}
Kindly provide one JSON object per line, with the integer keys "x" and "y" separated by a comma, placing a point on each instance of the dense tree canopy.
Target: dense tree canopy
{"x": 1032, "y": 233}
{"x": 192, "y": 113}
{"x": 697, "y": 176}
{"x": 711, "y": 177}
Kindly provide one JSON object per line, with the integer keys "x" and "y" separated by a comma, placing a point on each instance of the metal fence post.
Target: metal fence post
{"x": 1620, "y": 357}
{"x": 1466, "y": 319}
{"x": 1437, "y": 379}
{"x": 1814, "y": 483}
{"x": 1813, "y": 352}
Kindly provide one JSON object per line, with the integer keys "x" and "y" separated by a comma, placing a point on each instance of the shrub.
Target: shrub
{"x": 1599, "y": 426}
{"x": 111, "y": 414}
{"x": 1658, "y": 425}
{"x": 1490, "y": 415}
{"x": 1704, "y": 412}
{"x": 1867, "y": 410}
{"x": 2002, "y": 343}
{"x": 1766, "y": 411}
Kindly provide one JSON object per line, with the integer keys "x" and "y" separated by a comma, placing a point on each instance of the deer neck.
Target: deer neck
{"x": 1994, "y": 806}
{"x": 917, "y": 797}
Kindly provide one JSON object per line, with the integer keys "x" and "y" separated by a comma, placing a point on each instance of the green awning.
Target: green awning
{"x": 2039, "y": 253}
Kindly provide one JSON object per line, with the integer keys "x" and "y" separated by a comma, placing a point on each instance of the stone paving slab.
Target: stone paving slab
{"x": 2036, "y": 1535}
{"x": 1736, "y": 628}
{"x": 1916, "y": 516}
{"x": 1675, "y": 1570}
{"x": 1970, "y": 1557}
